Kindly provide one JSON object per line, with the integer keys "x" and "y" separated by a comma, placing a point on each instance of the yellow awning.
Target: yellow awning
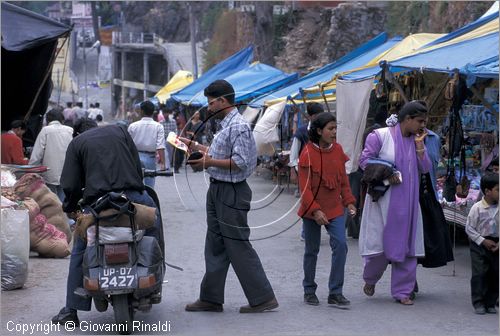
{"x": 180, "y": 80}
{"x": 404, "y": 48}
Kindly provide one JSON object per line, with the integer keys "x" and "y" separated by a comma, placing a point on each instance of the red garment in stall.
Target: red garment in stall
{"x": 323, "y": 181}
{"x": 12, "y": 149}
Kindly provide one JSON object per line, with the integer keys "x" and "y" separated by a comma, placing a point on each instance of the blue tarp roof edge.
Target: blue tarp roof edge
{"x": 223, "y": 69}
{"x": 377, "y": 41}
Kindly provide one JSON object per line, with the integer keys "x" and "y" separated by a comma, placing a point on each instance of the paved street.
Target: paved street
{"x": 442, "y": 306}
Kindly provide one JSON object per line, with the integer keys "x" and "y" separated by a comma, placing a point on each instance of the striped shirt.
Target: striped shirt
{"x": 148, "y": 135}
{"x": 234, "y": 141}
{"x": 169, "y": 125}
{"x": 482, "y": 221}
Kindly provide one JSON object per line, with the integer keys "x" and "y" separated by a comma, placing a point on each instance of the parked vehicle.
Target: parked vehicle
{"x": 121, "y": 265}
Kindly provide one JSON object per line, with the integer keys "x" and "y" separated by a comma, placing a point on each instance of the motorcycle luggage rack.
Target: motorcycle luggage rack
{"x": 108, "y": 201}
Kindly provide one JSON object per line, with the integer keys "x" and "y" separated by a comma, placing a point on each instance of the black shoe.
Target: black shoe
{"x": 268, "y": 305}
{"x": 480, "y": 310}
{"x": 339, "y": 301}
{"x": 204, "y": 306}
{"x": 311, "y": 299}
{"x": 491, "y": 310}
{"x": 66, "y": 315}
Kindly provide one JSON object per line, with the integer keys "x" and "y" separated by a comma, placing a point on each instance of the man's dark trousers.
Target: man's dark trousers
{"x": 227, "y": 242}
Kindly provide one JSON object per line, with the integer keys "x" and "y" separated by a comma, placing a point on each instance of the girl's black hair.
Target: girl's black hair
{"x": 412, "y": 109}
{"x": 319, "y": 122}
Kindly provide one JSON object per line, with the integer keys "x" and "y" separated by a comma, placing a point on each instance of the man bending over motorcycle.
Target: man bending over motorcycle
{"x": 98, "y": 161}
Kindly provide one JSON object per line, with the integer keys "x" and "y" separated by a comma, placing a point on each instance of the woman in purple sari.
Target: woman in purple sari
{"x": 391, "y": 228}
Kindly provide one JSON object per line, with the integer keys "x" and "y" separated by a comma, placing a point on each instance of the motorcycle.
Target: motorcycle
{"x": 122, "y": 266}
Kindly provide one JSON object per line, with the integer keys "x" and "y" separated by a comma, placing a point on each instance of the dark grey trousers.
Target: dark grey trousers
{"x": 484, "y": 279}
{"x": 227, "y": 242}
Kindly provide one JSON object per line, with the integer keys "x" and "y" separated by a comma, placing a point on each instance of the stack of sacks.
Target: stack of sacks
{"x": 45, "y": 238}
{"x": 32, "y": 185}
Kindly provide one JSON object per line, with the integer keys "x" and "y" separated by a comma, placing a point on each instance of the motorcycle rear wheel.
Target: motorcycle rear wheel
{"x": 124, "y": 313}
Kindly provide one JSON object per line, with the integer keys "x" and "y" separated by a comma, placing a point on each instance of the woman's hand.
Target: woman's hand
{"x": 352, "y": 210}
{"x": 320, "y": 217}
{"x": 420, "y": 136}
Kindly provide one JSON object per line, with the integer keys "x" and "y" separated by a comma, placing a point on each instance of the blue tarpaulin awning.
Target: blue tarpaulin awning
{"x": 479, "y": 53}
{"x": 354, "y": 59}
{"x": 473, "y": 49}
{"x": 251, "y": 82}
{"x": 230, "y": 65}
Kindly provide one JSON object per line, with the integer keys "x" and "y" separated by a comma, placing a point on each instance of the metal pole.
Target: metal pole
{"x": 85, "y": 75}
{"x": 122, "y": 85}
{"x": 146, "y": 76}
{"x": 59, "y": 84}
{"x": 192, "y": 37}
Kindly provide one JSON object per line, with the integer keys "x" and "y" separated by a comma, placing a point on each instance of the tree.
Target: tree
{"x": 264, "y": 31}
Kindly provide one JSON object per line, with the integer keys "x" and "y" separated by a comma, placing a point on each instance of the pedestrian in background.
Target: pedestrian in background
{"x": 325, "y": 191}
{"x": 149, "y": 138}
{"x": 392, "y": 228}
{"x": 230, "y": 160}
{"x": 69, "y": 114}
{"x": 169, "y": 125}
{"x": 180, "y": 119}
{"x": 12, "y": 144}
{"x": 50, "y": 149}
{"x": 195, "y": 128}
{"x": 482, "y": 229}
{"x": 79, "y": 112}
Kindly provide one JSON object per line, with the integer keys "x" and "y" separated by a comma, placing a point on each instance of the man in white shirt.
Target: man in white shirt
{"x": 95, "y": 110}
{"x": 79, "y": 112}
{"x": 69, "y": 113}
{"x": 149, "y": 138}
{"x": 50, "y": 149}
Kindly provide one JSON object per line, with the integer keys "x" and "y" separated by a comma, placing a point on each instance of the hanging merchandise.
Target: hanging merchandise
{"x": 464, "y": 184}
{"x": 450, "y": 185}
{"x": 449, "y": 91}
{"x": 456, "y": 142}
{"x": 395, "y": 97}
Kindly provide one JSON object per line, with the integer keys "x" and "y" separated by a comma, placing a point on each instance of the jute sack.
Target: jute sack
{"x": 32, "y": 185}
{"x": 47, "y": 240}
{"x": 33, "y": 208}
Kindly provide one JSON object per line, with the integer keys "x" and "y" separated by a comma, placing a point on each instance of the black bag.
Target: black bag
{"x": 450, "y": 185}
{"x": 437, "y": 242}
{"x": 456, "y": 147}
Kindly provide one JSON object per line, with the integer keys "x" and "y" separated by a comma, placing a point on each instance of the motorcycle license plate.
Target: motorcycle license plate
{"x": 118, "y": 277}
